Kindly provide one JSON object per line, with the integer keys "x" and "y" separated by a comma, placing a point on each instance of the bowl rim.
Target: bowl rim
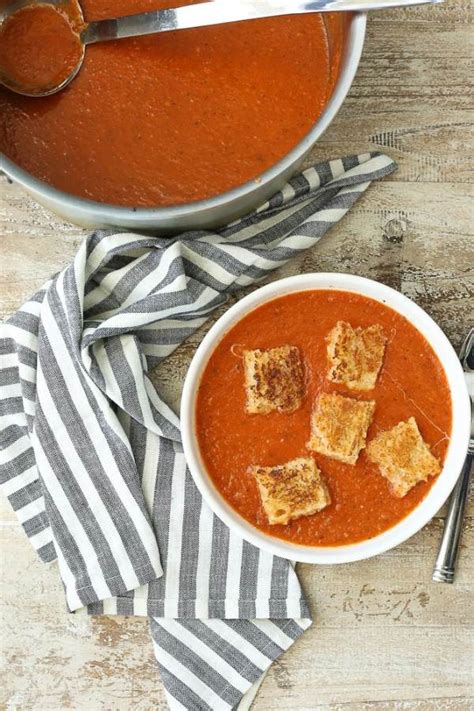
{"x": 457, "y": 449}
{"x": 110, "y": 212}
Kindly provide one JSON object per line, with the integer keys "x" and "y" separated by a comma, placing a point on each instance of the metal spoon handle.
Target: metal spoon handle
{"x": 225, "y": 11}
{"x": 445, "y": 565}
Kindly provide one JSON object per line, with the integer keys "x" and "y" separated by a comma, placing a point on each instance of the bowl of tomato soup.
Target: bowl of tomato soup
{"x": 278, "y": 475}
{"x": 181, "y": 130}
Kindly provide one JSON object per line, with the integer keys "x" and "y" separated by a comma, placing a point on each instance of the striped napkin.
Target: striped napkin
{"x": 91, "y": 458}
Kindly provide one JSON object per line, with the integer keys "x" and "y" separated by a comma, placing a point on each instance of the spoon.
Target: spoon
{"x": 187, "y": 17}
{"x": 445, "y": 565}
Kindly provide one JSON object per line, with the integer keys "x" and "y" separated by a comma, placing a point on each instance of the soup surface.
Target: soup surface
{"x": 39, "y": 48}
{"x": 177, "y": 117}
{"x": 411, "y": 383}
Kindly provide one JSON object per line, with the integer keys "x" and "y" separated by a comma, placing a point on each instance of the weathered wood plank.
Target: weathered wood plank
{"x": 382, "y": 624}
{"x": 59, "y": 662}
{"x": 432, "y": 147}
{"x": 456, "y": 11}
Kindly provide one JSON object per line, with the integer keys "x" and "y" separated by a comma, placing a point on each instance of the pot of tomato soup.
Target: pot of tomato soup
{"x": 183, "y": 130}
{"x": 325, "y": 418}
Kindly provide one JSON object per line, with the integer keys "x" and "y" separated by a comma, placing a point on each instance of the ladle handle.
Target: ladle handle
{"x": 223, "y": 12}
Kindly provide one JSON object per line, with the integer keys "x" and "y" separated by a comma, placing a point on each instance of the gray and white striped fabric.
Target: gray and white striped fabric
{"x": 91, "y": 458}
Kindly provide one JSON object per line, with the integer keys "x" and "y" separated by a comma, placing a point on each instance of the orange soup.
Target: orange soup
{"x": 175, "y": 117}
{"x": 39, "y": 48}
{"x": 411, "y": 383}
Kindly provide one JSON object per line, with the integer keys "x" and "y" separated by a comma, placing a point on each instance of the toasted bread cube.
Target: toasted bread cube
{"x": 403, "y": 457}
{"x": 339, "y": 426}
{"x": 289, "y": 491}
{"x": 355, "y": 355}
{"x": 274, "y": 379}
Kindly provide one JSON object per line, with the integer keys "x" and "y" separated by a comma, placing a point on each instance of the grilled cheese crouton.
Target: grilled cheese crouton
{"x": 339, "y": 426}
{"x": 403, "y": 457}
{"x": 274, "y": 379}
{"x": 355, "y": 355}
{"x": 289, "y": 491}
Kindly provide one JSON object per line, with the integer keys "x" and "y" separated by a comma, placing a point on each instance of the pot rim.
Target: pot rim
{"x": 108, "y": 212}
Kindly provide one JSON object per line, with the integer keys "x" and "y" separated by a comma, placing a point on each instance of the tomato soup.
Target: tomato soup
{"x": 180, "y": 116}
{"x": 411, "y": 383}
{"x": 39, "y": 48}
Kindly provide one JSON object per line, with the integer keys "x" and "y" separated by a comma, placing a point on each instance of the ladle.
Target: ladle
{"x": 181, "y": 18}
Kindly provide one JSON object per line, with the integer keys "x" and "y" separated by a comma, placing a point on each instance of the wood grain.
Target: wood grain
{"x": 385, "y": 637}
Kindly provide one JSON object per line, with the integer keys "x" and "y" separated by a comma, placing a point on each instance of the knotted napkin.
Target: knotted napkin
{"x": 91, "y": 458}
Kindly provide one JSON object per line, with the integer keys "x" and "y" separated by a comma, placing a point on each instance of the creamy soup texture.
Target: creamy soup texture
{"x": 411, "y": 383}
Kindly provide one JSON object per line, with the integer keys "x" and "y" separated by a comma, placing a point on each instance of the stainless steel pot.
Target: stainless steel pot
{"x": 214, "y": 211}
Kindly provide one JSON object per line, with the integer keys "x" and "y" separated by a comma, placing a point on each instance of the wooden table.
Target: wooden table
{"x": 385, "y": 636}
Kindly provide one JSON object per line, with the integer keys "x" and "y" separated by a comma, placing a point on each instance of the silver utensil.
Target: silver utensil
{"x": 199, "y": 15}
{"x": 445, "y": 565}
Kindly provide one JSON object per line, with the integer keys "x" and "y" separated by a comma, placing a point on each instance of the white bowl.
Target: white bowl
{"x": 455, "y": 455}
